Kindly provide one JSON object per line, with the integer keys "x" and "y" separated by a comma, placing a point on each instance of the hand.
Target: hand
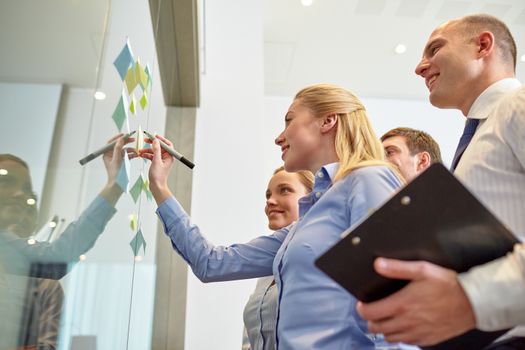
{"x": 161, "y": 164}
{"x": 113, "y": 161}
{"x": 433, "y": 307}
{"x": 113, "y": 158}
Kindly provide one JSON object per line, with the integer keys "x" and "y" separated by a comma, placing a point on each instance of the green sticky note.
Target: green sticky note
{"x": 147, "y": 191}
{"x": 133, "y": 221}
{"x": 120, "y": 115}
{"x": 137, "y": 188}
{"x": 143, "y": 100}
{"x": 138, "y": 242}
{"x": 147, "y": 70}
{"x": 132, "y": 104}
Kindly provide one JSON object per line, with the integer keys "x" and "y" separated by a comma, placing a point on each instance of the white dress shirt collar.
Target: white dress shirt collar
{"x": 483, "y": 105}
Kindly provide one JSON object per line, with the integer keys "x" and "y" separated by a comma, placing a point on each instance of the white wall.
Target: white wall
{"x": 229, "y": 181}
{"x": 28, "y": 113}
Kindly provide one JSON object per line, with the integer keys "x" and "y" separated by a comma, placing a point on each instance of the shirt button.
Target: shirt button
{"x": 318, "y": 194}
{"x": 320, "y": 174}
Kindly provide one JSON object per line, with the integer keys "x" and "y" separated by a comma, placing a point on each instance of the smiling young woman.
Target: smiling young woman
{"x": 326, "y": 132}
{"x": 282, "y": 209}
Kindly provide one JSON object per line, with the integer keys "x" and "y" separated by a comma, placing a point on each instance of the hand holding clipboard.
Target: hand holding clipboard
{"x": 434, "y": 218}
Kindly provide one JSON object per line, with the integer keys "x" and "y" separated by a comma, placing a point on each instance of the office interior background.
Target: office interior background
{"x": 223, "y": 75}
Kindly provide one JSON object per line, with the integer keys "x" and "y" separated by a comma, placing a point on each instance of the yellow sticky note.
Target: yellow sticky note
{"x": 140, "y": 140}
{"x": 131, "y": 80}
{"x": 133, "y": 221}
{"x": 141, "y": 76}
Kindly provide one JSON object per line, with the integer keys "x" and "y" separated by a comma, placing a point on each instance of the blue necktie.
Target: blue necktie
{"x": 468, "y": 132}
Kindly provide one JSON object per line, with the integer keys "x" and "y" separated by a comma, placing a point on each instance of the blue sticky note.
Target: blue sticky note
{"x": 124, "y": 60}
{"x": 138, "y": 242}
{"x": 123, "y": 174}
{"x": 120, "y": 115}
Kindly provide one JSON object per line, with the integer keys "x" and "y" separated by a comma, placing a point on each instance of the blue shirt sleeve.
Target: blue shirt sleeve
{"x": 212, "y": 263}
{"x": 80, "y": 236}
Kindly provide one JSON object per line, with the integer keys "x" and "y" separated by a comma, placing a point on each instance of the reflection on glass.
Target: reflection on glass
{"x": 30, "y": 306}
{"x": 31, "y": 296}
{"x": 55, "y": 290}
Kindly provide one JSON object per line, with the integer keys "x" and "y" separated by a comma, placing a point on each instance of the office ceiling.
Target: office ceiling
{"x": 57, "y": 41}
{"x": 348, "y": 42}
{"x": 351, "y": 42}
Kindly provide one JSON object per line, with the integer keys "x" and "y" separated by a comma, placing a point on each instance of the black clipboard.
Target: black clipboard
{"x": 434, "y": 218}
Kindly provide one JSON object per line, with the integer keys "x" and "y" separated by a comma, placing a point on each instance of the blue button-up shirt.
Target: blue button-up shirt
{"x": 314, "y": 312}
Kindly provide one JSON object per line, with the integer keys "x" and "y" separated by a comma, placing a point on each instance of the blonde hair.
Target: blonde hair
{"x": 305, "y": 177}
{"x": 356, "y": 143}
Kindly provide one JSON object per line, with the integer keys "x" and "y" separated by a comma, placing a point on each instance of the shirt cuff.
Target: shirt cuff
{"x": 496, "y": 291}
{"x": 170, "y": 212}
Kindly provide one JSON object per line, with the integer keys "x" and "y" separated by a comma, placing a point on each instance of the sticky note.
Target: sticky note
{"x": 131, "y": 80}
{"x": 137, "y": 188}
{"x": 123, "y": 174}
{"x": 139, "y": 139}
{"x": 141, "y": 76}
{"x": 138, "y": 242}
{"x": 147, "y": 70}
{"x": 132, "y": 104}
{"x": 144, "y": 100}
{"x": 124, "y": 60}
{"x": 133, "y": 222}
{"x": 147, "y": 191}
{"x": 120, "y": 115}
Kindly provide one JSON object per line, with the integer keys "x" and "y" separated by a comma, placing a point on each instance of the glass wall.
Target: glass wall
{"x": 77, "y": 242}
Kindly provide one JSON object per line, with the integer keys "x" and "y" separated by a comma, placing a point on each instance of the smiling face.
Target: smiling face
{"x": 18, "y": 212}
{"x": 300, "y": 141}
{"x": 282, "y": 195}
{"x": 451, "y": 68}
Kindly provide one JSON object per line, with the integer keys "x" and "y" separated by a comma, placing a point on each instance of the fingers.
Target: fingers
{"x": 382, "y": 309}
{"x": 165, "y": 140}
{"x": 148, "y": 156}
{"x": 132, "y": 153}
{"x": 145, "y": 151}
{"x": 115, "y": 137}
{"x": 402, "y": 270}
{"x": 157, "y": 153}
{"x": 388, "y": 326}
{"x": 129, "y": 140}
{"x": 119, "y": 145}
{"x": 403, "y": 337}
{"x": 162, "y": 138}
{"x": 393, "y": 305}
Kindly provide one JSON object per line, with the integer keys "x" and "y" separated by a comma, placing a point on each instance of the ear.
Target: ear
{"x": 424, "y": 161}
{"x": 485, "y": 42}
{"x": 329, "y": 122}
